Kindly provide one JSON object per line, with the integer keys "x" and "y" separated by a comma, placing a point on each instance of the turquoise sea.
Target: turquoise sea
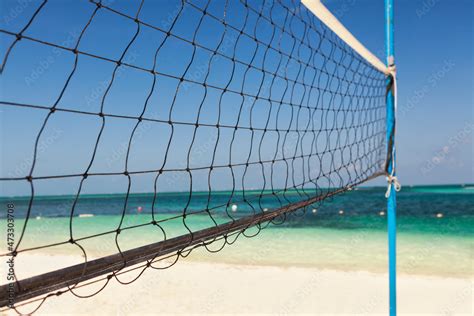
{"x": 347, "y": 232}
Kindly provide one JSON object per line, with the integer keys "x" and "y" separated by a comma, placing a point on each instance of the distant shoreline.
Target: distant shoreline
{"x": 468, "y": 186}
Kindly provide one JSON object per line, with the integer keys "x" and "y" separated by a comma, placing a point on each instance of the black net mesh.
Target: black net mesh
{"x": 252, "y": 110}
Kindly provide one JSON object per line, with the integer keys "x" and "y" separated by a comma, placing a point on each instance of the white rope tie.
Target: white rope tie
{"x": 396, "y": 185}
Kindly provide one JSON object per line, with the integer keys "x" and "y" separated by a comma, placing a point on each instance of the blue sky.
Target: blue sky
{"x": 433, "y": 54}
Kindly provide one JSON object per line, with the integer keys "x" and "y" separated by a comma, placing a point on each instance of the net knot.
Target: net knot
{"x": 396, "y": 185}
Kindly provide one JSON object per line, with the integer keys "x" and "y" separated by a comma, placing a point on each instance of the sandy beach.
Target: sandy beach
{"x": 193, "y": 287}
{"x": 215, "y": 157}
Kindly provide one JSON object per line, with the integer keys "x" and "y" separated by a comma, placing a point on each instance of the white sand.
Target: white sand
{"x": 206, "y": 288}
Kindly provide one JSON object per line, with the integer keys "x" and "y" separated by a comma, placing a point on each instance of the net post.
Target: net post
{"x": 391, "y": 200}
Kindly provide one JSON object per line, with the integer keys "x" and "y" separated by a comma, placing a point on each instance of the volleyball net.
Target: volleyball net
{"x": 254, "y": 111}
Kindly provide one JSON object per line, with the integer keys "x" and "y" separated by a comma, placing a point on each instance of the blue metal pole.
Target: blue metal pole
{"x": 391, "y": 203}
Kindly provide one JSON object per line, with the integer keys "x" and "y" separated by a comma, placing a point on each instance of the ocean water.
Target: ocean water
{"x": 346, "y": 232}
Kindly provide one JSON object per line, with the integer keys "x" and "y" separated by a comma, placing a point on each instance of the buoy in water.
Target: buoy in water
{"x": 439, "y": 215}
{"x": 381, "y": 213}
{"x": 341, "y": 212}
{"x": 139, "y": 209}
{"x": 234, "y": 208}
{"x": 314, "y": 211}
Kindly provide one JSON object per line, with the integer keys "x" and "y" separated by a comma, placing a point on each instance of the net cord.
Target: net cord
{"x": 323, "y": 14}
{"x": 48, "y": 282}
